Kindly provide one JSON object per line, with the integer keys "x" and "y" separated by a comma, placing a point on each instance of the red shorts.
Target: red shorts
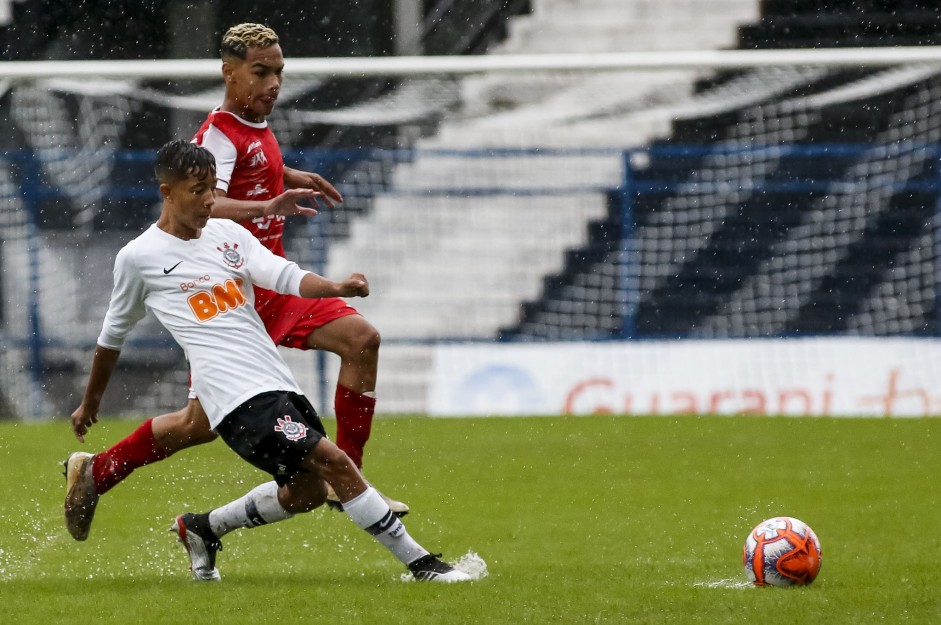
{"x": 290, "y": 319}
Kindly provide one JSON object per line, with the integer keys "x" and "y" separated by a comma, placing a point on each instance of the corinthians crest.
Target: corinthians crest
{"x": 230, "y": 255}
{"x": 292, "y": 431}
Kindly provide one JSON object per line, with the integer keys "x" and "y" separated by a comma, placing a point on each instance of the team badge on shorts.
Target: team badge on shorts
{"x": 292, "y": 430}
{"x": 231, "y": 256}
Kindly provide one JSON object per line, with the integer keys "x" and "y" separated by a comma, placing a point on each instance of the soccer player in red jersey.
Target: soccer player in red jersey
{"x": 251, "y": 190}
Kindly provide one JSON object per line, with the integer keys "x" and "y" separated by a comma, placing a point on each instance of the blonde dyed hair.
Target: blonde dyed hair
{"x": 238, "y": 39}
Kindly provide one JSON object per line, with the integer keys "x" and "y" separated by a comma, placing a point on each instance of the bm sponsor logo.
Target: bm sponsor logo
{"x": 209, "y": 303}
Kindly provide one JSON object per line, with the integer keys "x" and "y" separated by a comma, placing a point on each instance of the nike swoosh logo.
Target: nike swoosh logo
{"x": 166, "y": 271}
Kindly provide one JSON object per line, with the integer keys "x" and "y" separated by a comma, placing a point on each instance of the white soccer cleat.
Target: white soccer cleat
{"x": 431, "y": 568}
{"x": 201, "y": 545}
{"x": 81, "y": 499}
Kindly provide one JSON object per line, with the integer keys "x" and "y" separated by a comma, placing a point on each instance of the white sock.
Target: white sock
{"x": 371, "y": 513}
{"x": 258, "y": 507}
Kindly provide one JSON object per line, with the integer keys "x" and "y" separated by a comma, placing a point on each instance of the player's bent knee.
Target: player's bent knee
{"x": 364, "y": 342}
{"x": 372, "y": 339}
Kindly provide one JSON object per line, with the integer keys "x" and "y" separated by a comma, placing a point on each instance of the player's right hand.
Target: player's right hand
{"x": 82, "y": 420}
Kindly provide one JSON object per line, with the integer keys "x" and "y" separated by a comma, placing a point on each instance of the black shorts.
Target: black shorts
{"x": 273, "y": 431}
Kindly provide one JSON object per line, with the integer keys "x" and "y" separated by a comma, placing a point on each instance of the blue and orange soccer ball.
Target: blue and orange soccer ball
{"x": 782, "y": 551}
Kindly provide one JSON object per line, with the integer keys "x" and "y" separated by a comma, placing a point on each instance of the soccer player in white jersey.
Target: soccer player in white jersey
{"x": 247, "y": 391}
{"x": 250, "y": 190}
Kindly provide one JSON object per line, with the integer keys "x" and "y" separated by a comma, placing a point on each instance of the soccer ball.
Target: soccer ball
{"x": 782, "y": 551}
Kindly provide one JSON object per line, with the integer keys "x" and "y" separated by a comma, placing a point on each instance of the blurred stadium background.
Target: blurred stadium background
{"x": 746, "y": 240}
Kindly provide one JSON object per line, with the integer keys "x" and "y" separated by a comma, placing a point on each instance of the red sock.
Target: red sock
{"x": 135, "y": 450}
{"x": 354, "y": 421}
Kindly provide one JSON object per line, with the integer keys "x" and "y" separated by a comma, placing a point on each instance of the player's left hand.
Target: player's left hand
{"x": 307, "y": 180}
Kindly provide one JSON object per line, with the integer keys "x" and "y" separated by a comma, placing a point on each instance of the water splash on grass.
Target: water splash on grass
{"x": 473, "y": 565}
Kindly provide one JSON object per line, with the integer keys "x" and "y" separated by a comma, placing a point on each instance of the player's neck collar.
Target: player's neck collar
{"x": 262, "y": 124}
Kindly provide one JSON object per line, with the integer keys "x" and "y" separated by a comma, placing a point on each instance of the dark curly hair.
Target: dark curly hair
{"x": 179, "y": 158}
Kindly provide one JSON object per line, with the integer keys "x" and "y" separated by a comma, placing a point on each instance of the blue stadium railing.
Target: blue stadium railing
{"x": 804, "y": 171}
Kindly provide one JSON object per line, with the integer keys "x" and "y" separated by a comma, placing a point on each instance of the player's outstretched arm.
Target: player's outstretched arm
{"x": 284, "y": 205}
{"x": 296, "y": 179}
{"x": 313, "y": 286}
{"x": 86, "y": 415}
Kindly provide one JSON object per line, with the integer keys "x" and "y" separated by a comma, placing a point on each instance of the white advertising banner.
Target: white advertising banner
{"x": 840, "y": 376}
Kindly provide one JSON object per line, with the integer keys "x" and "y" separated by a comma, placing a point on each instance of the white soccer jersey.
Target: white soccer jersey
{"x": 201, "y": 291}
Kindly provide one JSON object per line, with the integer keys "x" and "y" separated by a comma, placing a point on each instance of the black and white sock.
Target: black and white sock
{"x": 371, "y": 513}
{"x": 259, "y": 507}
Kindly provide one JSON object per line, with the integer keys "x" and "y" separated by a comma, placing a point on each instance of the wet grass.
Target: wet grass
{"x": 606, "y": 520}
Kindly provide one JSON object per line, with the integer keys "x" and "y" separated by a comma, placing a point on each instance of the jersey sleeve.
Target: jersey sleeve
{"x": 127, "y": 302}
{"x": 270, "y": 271}
{"x": 225, "y": 153}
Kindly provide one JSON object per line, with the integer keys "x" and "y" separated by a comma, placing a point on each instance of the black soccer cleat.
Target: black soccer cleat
{"x": 430, "y": 568}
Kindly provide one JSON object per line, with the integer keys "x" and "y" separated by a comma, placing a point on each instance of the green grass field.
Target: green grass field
{"x": 581, "y": 520}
